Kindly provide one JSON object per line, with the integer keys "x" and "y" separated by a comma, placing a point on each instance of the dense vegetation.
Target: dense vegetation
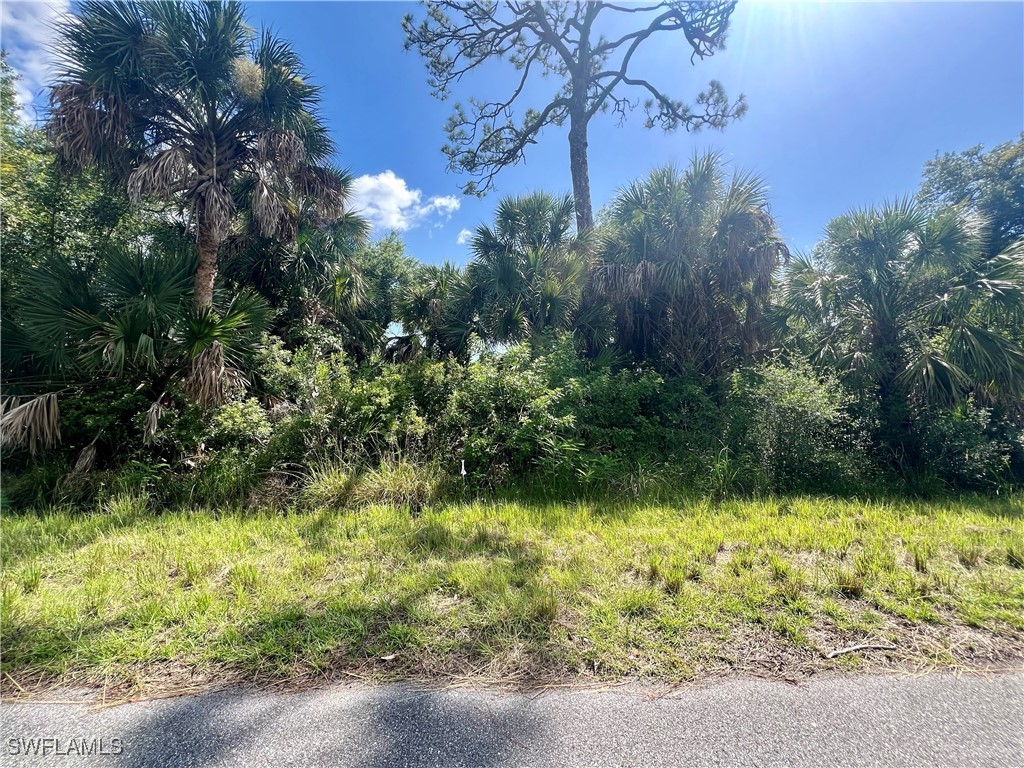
{"x": 677, "y": 344}
{"x": 603, "y": 444}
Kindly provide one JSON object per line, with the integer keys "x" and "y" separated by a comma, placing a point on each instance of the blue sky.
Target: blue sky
{"x": 847, "y": 103}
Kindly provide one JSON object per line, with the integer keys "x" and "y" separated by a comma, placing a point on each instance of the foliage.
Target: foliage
{"x": 184, "y": 102}
{"x": 44, "y": 214}
{"x": 687, "y": 261}
{"x": 242, "y": 424}
{"x": 908, "y": 308}
{"x": 312, "y": 279}
{"x": 964, "y": 447}
{"x": 987, "y": 183}
{"x": 388, "y": 273}
{"x": 627, "y": 358}
{"x": 795, "y": 431}
{"x": 439, "y": 314}
{"x": 131, "y": 316}
{"x": 530, "y": 272}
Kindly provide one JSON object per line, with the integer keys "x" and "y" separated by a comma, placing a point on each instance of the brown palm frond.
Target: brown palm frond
{"x": 215, "y": 204}
{"x": 282, "y": 148}
{"x": 211, "y": 380}
{"x": 31, "y": 424}
{"x": 267, "y": 208}
{"x": 153, "y": 414}
{"x": 84, "y": 121}
{"x": 329, "y": 188}
{"x": 644, "y": 277}
{"x": 161, "y": 175}
{"x": 86, "y": 458}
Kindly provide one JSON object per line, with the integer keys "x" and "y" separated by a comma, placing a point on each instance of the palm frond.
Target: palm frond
{"x": 30, "y": 424}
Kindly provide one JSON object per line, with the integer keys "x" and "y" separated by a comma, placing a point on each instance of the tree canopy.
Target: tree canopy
{"x": 990, "y": 184}
{"x": 184, "y": 102}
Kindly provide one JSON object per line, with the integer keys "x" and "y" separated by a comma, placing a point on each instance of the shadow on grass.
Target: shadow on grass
{"x": 450, "y": 604}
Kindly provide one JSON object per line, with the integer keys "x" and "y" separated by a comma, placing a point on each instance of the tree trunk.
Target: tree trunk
{"x": 206, "y": 272}
{"x": 580, "y": 169}
{"x": 894, "y": 405}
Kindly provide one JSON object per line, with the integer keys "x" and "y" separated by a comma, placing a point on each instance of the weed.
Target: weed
{"x": 1015, "y": 553}
{"x": 969, "y": 552}
{"x": 510, "y": 587}
{"x": 637, "y": 601}
{"x": 921, "y": 552}
{"x": 845, "y": 581}
{"x": 742, "y": 560}
{"x": 329, "y": 485}
{"x": 398, "y": 483}
{"x": 31, "y": 576}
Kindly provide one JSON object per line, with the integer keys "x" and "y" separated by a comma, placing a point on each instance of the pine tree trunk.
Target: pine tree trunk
{"x": 580, "y": 169}
{"x": 206, "y": 272}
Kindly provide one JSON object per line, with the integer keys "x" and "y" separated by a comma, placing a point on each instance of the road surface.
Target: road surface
{"x": 941, "y": 720}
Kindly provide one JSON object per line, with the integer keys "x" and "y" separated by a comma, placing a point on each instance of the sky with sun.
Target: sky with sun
{"x": 847, "y": 101}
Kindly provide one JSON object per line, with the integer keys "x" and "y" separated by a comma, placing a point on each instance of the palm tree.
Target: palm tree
{"x": 688, "y": 258}
{"x": 183, "y": 101}
{"x": 439, "y": 310}
{"x": 131, "y": 317}
{"x": 314, "y": 278}
{"x": 530, "y": 270}
{"x": 908, "y": 307}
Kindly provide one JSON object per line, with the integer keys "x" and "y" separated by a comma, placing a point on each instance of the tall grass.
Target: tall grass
{"x": 502, "y": 587}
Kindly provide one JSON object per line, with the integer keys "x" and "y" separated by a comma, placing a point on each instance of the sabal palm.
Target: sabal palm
{"x": 133, "y": 317}
{"x": 440, "y": 308}
{"x": 907, "y": 305}
{"x": 687, "y": 262}
{"x": 183, "y": 101}
{"x": 313, "y": 278}
{"x": 529, "y": 269}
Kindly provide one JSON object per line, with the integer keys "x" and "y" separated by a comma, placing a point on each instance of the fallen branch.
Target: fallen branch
{"x": 861, "y": 647}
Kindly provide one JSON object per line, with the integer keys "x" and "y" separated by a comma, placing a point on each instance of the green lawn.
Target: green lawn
{"x": 504, "y": 590}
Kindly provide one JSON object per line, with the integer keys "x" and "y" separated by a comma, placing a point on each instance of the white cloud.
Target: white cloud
{"x": 387, "y": 202}
{"x": 463, "y": 237}
{"x": 26, "y": 33}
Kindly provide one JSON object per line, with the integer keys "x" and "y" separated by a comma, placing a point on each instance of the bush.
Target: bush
{"x": 230, "y": 476}
{"x": 537, "y": 413}
{"x": 329, "y": 485}
{"x": 241, "y": 424}
{"x": 394, "y": 482}
{"x": 962, "y": 448}
{"x": 505, "y": 420}
{"x": 793, "y": 431}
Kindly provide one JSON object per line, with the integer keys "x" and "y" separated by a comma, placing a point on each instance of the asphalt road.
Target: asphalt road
{"x": 862, "y": 721}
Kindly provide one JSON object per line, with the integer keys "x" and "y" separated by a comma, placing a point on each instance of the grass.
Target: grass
{"x": 505, "y": 589}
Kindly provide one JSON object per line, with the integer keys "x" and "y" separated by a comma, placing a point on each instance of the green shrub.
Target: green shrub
{"x": 36, "y": 485}
{"x": 229, "y": 477}
{"x": 106, "y": 411}
{"x": 962, "y": 448}
{"x": 239, "y": 424}
{"x": 793, "y": 429}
